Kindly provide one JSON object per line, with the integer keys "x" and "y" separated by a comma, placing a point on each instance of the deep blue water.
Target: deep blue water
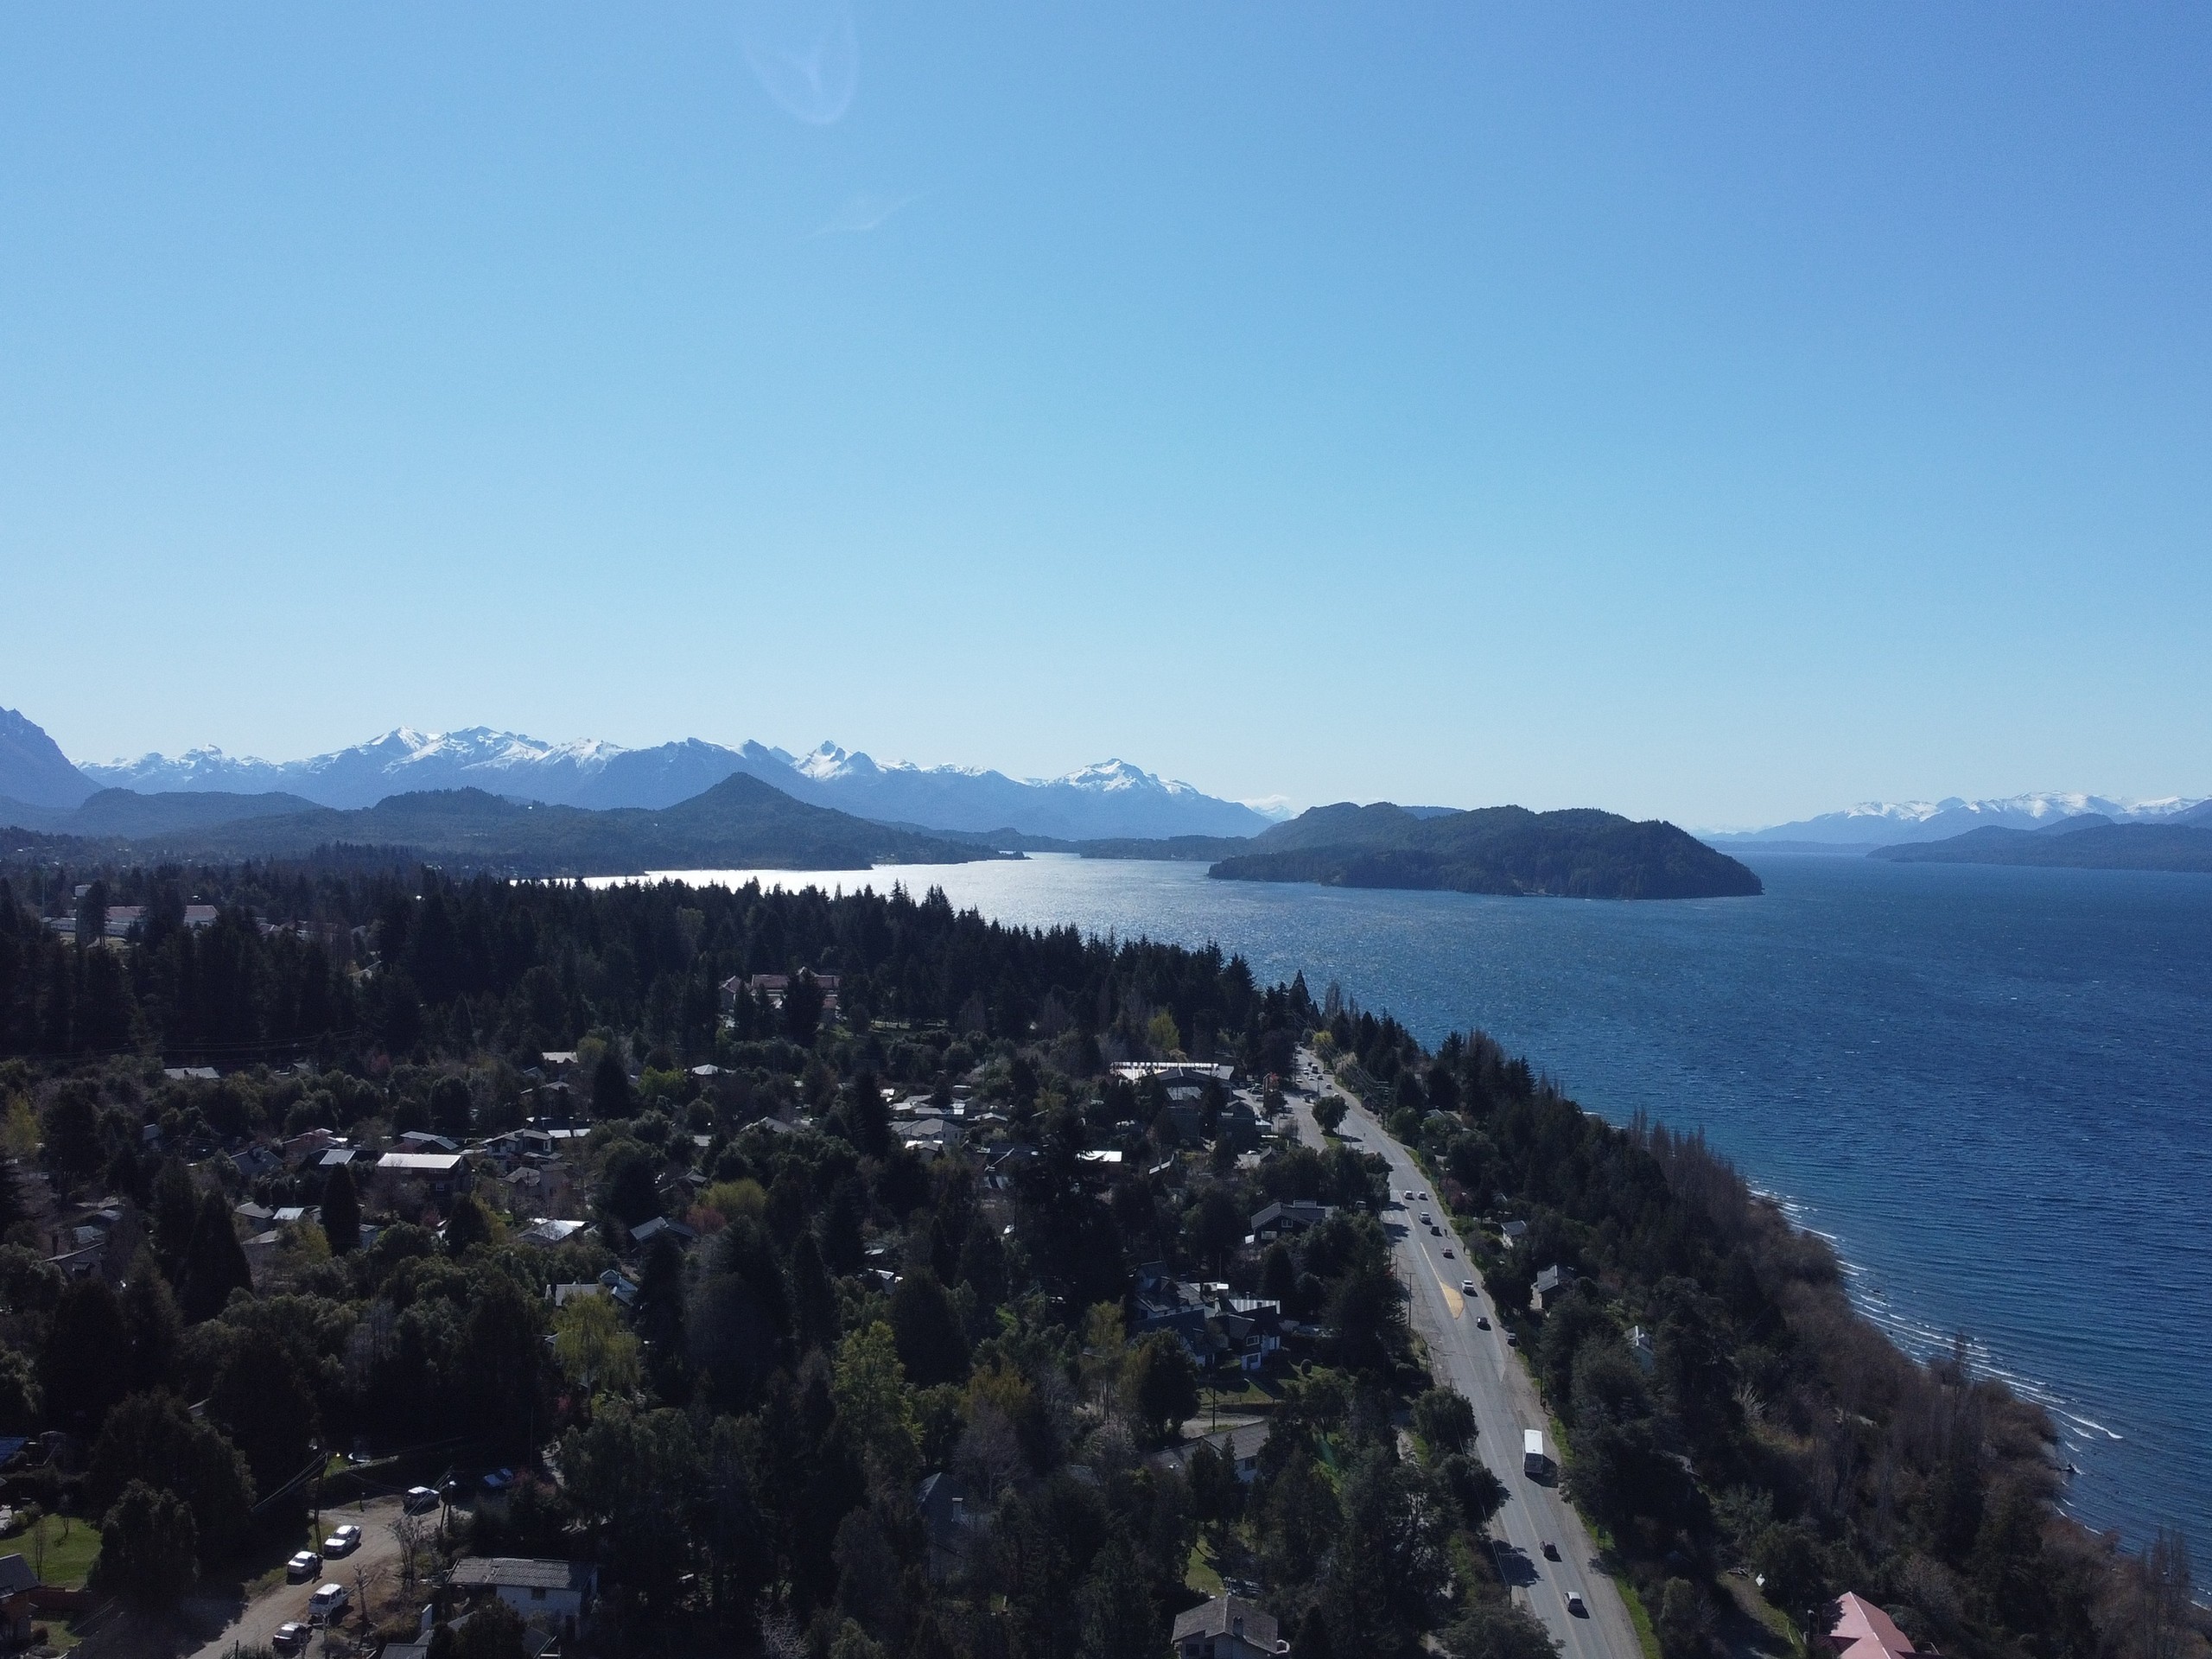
{"x": 1993, "y": 1088}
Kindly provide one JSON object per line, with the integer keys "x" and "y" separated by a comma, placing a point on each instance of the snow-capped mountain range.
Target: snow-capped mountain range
{"x": 1884, "y": 824}
{"x": 1113, "y": 797}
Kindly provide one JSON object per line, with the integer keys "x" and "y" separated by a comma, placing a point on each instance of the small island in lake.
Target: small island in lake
{"x": 1577, "y": 854}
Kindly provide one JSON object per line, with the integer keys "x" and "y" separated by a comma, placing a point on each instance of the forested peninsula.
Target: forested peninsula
{"x": 2099, "y": 845}
{"x": 910, "y": 1247}
{"x": 1577, "y": 854}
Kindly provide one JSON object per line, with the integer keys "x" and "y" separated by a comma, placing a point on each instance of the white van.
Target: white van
{"x": 328, "y": 1604}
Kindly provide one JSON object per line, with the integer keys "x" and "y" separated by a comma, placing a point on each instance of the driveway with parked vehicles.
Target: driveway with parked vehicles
{"x": 285, "y": 1599}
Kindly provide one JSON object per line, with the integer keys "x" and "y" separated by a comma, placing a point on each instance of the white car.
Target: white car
{"x": 303, "y": 1567}
{"x": 419, "y": 1499}
{"x": 328, "y": 1604}
{"x": 1409, "y": 1194}
{"x": 344, "y": 1541}
{"x": 290, "y": 1637}
{"x": 1466, "y": 1286}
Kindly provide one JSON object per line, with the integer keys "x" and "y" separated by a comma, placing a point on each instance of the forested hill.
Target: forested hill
{"x": 1579, "y": 854}
{"x": 2101, "y": 845}
{"x": 740, "y": 824}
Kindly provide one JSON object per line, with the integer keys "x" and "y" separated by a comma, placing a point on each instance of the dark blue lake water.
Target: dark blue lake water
{"x": 1992, "y": 1088}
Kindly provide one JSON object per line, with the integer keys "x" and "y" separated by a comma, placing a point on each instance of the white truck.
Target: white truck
{"x": 1533, "y": 1463}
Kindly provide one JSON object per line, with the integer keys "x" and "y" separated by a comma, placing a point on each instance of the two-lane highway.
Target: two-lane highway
{"x": 1478, "y": 1364}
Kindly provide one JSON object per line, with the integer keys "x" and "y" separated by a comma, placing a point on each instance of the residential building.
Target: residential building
{"x": 17, "y": 1580}
{"x": 956, "y": 1522}
{"x": 1862, "y": 1631}
{"x": 1294, "y": 1217}
{"x": 1228, "y": 1627}
{"x": 538, "y": 1589}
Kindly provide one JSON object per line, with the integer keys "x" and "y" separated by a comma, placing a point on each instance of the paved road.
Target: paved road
{"x": 1479, "y": 1365}
{"x": 257, "y": 1620}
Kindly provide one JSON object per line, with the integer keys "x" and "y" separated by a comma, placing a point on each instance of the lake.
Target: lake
{"x": 1991, "y": 1087}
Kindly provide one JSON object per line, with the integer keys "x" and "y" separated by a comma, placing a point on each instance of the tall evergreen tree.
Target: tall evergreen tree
{"x": 155, "y": 1325}
{"x": 78, "y": 1369}
{"x": 214, "y": 1263}
{"x": 342, "y": 1212}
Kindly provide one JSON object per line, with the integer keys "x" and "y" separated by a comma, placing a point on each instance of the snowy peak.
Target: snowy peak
{"x": 1111, "y": 798}
{"x": 1873, "y": 824}
{"x": 1109, "y": 776}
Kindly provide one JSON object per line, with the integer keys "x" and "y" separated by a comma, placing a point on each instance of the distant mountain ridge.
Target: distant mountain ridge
{"x": 740, "y": 822}
{"x": 1888, "y": 823}
{"x": 1112, "y": 798}
{"x": 1578, "y": 854}
{"x": 2094, "y": 842}
{"x": 32, "y": 769}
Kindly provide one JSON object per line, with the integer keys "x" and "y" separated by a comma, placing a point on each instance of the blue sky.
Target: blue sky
{"x": 1721, "y": 412}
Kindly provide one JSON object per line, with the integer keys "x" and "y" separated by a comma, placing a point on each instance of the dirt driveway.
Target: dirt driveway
{"x": 255, "y": 1624}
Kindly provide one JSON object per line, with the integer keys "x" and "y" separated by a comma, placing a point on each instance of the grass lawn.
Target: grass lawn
{"x": 1202, "y": 1575}
{"x": 71, "y": 1544}
{"x": 1247, "y": 1395}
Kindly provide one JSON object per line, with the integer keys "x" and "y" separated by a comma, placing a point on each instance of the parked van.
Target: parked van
{"x": 328, "y": 1604}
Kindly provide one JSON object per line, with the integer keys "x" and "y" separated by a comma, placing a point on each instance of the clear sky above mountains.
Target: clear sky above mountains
{"x": 1722, "y": 415}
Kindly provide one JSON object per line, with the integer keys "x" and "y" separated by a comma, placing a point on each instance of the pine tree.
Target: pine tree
{"x": 214, "y": 1263}
{"x": 342, "y": 1212}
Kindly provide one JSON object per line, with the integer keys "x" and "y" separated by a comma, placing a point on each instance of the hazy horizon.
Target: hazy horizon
{"x": 1723, "y": 416}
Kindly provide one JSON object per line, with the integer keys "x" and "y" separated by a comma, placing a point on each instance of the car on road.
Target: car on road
{"x": 1574, "y": 1605}
{"x": 290, "y": 1637}
{"x": 1424, "y": 1198}
{"x": 418, "y": 1500}
{"x": 303, "y": 1567}
{"x": 1435, "y": 1231}
{"x": 1409, "y": 1195}
{"x": 1466, "y": 1286}
{"x": 328, "y": 1604}
{"x": 1448, "y": 1256}
{"x": 1551, "y": 1550}
{"x": 344, "y": 1541}
{"x": 1482, "y": 1321}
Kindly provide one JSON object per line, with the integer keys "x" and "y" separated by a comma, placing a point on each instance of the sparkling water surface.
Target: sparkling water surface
{"x": 1991, "y": 1087}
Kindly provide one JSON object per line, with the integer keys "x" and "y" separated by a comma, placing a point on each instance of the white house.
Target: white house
{"x": 537, "y": 1589}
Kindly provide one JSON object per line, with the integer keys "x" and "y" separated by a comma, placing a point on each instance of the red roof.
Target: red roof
{"x": 1864, "y": 1631}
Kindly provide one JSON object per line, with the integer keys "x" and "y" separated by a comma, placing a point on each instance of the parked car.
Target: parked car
{"x": 328, "y": 1604}
{"x": 1574, "y": 1605}
{"x": 303, "y": 1567}
{"x": 419, "y": 1499}
{"x": 344, "y": 1541}
{"x": 290, "y": 1637}
{"x": 1512, "y": 1341}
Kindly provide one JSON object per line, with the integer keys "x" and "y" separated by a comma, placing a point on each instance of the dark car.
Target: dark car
{"x": 1551, "y": 1550}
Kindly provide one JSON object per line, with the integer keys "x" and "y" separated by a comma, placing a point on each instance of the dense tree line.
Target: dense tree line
{"x": 742, "y": 1447}
{"x": 1766, "y": 1427}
